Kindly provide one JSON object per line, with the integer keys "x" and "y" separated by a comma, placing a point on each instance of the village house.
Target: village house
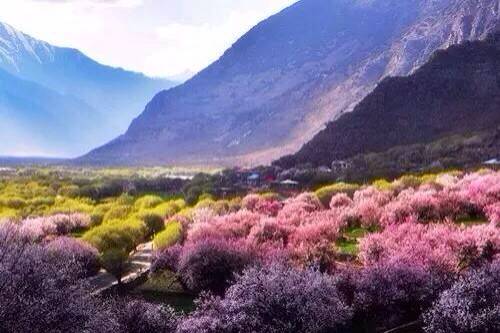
{"x": 340, "y": 165}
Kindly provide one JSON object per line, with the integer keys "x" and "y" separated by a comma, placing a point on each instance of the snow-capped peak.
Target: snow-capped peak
{"x": 17, "y": 48}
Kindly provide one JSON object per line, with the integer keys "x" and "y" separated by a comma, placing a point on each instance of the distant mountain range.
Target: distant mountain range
{"x": 279, "y": 84}
{"x": 59, "y": 102}
{"x": 37, "y": 120}
{"x": 456, "y": 95}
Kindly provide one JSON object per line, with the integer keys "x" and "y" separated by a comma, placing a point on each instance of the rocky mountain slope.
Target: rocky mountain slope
{"x": 456, "y": 93}
{"x": 115, "y": 96}
{"x": 278, "y": 85}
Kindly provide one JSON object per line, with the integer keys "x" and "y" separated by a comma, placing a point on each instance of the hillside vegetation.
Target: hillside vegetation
{"x": 456, "y": 93}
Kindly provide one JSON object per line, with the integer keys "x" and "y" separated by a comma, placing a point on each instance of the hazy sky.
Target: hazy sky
{"x": 157, "y": 37}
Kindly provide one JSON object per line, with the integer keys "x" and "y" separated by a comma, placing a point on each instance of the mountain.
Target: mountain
{"x": 113, "y": 96}
{"x": 280, "y": 83}
{"x": 38, "y": 120}
{"x": 464, "y": 151}
{"x": 456, "y": 93}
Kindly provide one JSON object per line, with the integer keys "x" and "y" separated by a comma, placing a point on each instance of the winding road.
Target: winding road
{"x": 140, "y": 263}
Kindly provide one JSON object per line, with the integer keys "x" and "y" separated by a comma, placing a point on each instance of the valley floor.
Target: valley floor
{"x": 387, "y": 256}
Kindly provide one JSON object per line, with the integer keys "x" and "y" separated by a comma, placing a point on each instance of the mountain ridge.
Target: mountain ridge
{"x": 279, "y": 84}
{"x": 115, "y": 95}
{"x": 32, "y": 113}
{"x": 456, "y": 92}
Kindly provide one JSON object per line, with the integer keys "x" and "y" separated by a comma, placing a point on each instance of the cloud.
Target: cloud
{"x": 106, "y": 3}
{"x": 156, "y": 37}
{"x": 191, "y": 47}
{"x": 79, "y": 1}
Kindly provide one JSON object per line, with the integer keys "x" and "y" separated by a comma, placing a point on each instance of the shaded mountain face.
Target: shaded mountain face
{"x": 278, "y": 86}
{"x": 456, "y": 93}
{"x": 36, "y": 120}
{"x": 114, "y": 95}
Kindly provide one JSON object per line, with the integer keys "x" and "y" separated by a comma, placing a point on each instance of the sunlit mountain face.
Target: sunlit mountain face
{"x": 280, "y": 83}
{"x": 454, "y": 98}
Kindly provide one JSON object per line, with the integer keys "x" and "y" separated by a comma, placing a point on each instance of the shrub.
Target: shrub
{"x": 168, "y": 237}
{"x": 206, "y": 196}
{"x": 15, "y": 203}
{"x": 308, "y": 198}
{"x": 296, "y": 210}
{"x": 209, "y": 265}
{"x": 340, "y": 200}
{"x": 231, "y": 226}
{"x": 169, "y": 208}
{"x": 70, "y": 191}
{"x": 42, "y": 292}
{"x": 136, "y": 316}
{"x": 269, "y": 231}
{"x": 263, "y": 204}
{"x": 368, "y": 213}
{"x": 69, "y": 249}
{"x": 38, "y": 228}
{"x": 471, "y": 305}
{"x": 493, "y": 213}
{"x": 221, "y": 207}
{"x": 326, "y": 193}
{"x": 8, "y": 213}
{"x": 115, "y": 262}
{"x": 117, "y": 212}
{"x": 273, "y": 299}
{"x": 319, "y": 227}
{"x": 408, "y": 181}
{"x": 423, "y": 205}
{"x": 234, "y": 205}
{"x": 137, "y": 229}
{"x": 65, "y": 223}
{"x": 271, "y": 196}
{"x": 59, "y": 224}
{"x": 147, "y": 202}
{"x": 481, "y": 189}
{"x": 96, "y": 219}
{"x": 192, "y": 195}
{"x": 166, "y": 259}
{"x": 383, "y": 185}
{"x": 446, "y": 246}
{"x": 65, "y": 205}
{"x": 114, "y": 236}
{"x": 250, "y": 201}
{"x": 125, "y": 200}
{"x": 154, "y": 222}
{"x": 396, "y": 293}
{"x": 205, "y": 201}
{"x": 269, "y": 207}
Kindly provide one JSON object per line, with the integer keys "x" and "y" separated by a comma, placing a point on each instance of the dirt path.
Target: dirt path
{"x": 140, "y": 263}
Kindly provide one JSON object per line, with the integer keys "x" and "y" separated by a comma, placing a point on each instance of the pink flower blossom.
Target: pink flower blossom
{"x": 439, "y": 245}
{"x": 59, "y": 224}
{"x": 261, "y": 204}
{"x": 493, "y": 213}
{"x": 340, "y": 200}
